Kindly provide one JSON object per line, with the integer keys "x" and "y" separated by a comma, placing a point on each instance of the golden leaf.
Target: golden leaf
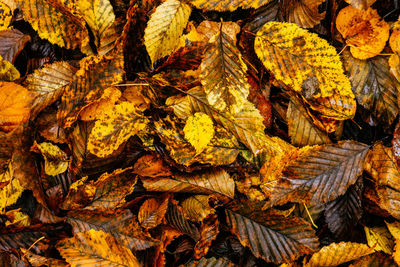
{"x": 95, "y": 248}
{"x": 394, "y": 64}
{"x": 6, "y": 14}
{"x": 364, "y": 31}
{"x": 48, "y": 84}
{"x": 208, "y": 29}
{"x": 338, "y": 253}
{"x": 99, "y": 15}
{"x": 8, "y": 72}
{"x": 152, "y": 212}
{"x": 165, "y": 27}
{"x": 96, "y": 109}
{"x": 15, "y": 105}
{"x": 114, "y": 128}
{"x": 96, "y": 74}
{"x": 9, "y": 193}
{"x": 196, "y": 208}
{"x": 56, "y": 161}
{"x": 55, "y": 23}
{"x": 199, "y": 130}
{"x": 379, "y": 238}
{"x": 309, "y": 65}
{"x": 151, "y": 165}
{"x": 223, "y": 73}
{"x": 17, "y": 218}
{"x": 361, "y": 4}
{"x": 394, "y": 229}
{"x": 226, "y": 5}
{"x": 222, "y": 148}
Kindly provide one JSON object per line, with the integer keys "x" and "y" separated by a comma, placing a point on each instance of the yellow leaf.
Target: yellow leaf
{"x": 114, "y": 128}
{"x": 196, "y": 208}
{"x": 11, "y": 189}
{"x": 364, "y": 31}
{"x": 57, "y": 23}
{"x": 99, "y": 15}
{"x": 223, "y": 72}
{"x": 56, "y": 161}
{"x": 106, "y": 102}
{"x": 6, "y": 14}
{"x": 165, "y": 27}
{"x": 307, "y": 64}
{"x": 379, "y": 238}
{"x": 394, "y": 64}
{"x": 17, "y": 218}
{"x": 95, "y": 248}
{"x": 14, "y": 105}
{"x": 227, "y": 5}
{"x": 7, "y": 71}
{"x": 199, "y": 130}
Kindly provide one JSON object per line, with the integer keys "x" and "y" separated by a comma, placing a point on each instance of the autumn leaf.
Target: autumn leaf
{"x": 361, "y": 4}
{"x": 165, "y": 27}
{"x": 15, "y": 105}
{"x": 224, "y": 5}
{"x": 304, "y": 13}
{"x": 321, "y": 76}
{"x": 338, "y": 253}
{"x": 199, "y": 130}
{"x": 12, "y": 42}
{"x": 197, "y": 207}
{"x": 95, "y": 247}
{"x": 364, "y": 30}
{"x": 379, "y": 238}
{"x": 11, "y": 189}
{"x": 152, "y": 212}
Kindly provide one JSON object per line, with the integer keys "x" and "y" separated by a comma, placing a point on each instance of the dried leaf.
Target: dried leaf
{"x": 211, "y": 262}
{"x": 224, "y": 5}
{"x": 12, "y": 190}
{"x": 199, "y": 130}
{"x": 56, "y": 161}
{"x": 374, "y": 87}
{"x": 365, "y": 32}
{"x": 152, "y": 212}
{"x": 320, "y": 174}
{"x": 309, "y": 65}
{"x": 55, "y": 23}
{"x": 21, "y": 238}
{"x": 382, "y": 167}
{"x": 223, "y": 73}
{"x": 379, "y": 238}
{"x": 36, "y": 260}
{"x": 121, "y": 225}
{"x": 151, "y": 165}
{"x": 165, "y": 27}
{"x": 361, "y": 4}
{"x": 97, "y": 109}
{"x": 197, "y": 207}
{"x": 209, "y": 231}
{"x": 375, "y": 260}
{"x": 338, "y": 253}
{"x": 94, "y": 76}
{"x": 302, "y": 130}
{"x": 8, "y": 72}
{"x": 304, "y": 13}
{"x": 272, "y": 237}
{"x": 12, "y": 41}
{"x": 114, "y": 128}
{"x": 95, "y": 247}
{"x": 176, "y": 218}
{"x": 209, "y": 182}
{"x": 48, "y": 84}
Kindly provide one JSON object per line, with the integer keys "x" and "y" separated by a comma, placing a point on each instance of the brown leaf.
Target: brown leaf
{"x": 152, "y": 212}
{"x": 12, "y": 41}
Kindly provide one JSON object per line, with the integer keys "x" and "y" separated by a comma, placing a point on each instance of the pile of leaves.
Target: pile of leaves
{"x": 199, "y": 133}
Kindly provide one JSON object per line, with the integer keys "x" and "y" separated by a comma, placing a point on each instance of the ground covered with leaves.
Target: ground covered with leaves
{"x": 199, "y": 133}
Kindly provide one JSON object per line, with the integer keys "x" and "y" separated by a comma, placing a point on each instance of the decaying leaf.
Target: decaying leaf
{"x": 315, "y": 75}
{"x": 364, "y": 31}
{"x": 374, "y": 87}
{"x": 151, "y": 165}
{"x": 165, "y": 27}
{"x": 56, "y": 161}
{"x": 374, "y": 260}
{"x": 224, "y": 5}
{"x": 361, "y": 4}
{"x": 152, "y": 212}
{"x": 197, "y": 207}
{"x": 223, "y": 72}
{"x": 114, "y": 128}
{"x": 8, "y": 72}
{"x": 334, "y": 168}
{"x": 11, "y": 189}
{"x": 6, "y": 15}
{"x": 12, "y": 42}
{"x": 95, "y": 247}
{"x": 338, "y": 253}
{"x": 304, "y": 13}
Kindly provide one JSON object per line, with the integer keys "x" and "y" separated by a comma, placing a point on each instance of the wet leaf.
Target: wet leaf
{"x": 320, "y": 174}
{"x": 95, "y": 247}
{"x": 272, "y": 237}
{"x": 374, "y": 87}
